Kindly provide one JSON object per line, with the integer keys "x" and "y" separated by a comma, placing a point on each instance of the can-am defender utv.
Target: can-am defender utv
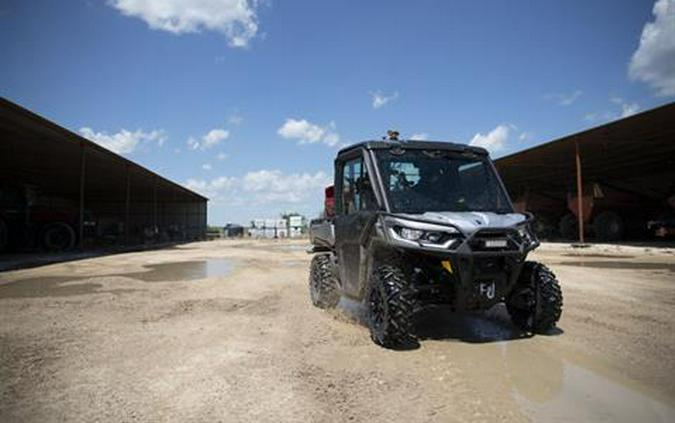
{"x": 418, "y": 223}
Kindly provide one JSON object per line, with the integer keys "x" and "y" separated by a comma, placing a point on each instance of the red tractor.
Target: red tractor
{"x": 29, "y": 220}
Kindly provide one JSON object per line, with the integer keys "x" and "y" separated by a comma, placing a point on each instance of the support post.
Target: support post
{"x": 83, "y": 165}
{"x": 580, "y": 201}
{"x": 127, "y": 207}
{"x": 154, "y": 209}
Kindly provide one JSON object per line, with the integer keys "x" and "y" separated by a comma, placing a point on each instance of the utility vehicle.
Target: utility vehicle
{"x": 416, "y": 223}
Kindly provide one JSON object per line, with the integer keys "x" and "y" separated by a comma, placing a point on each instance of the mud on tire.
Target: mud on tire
{"x": 536, "y": 302}
{"x": 323, "y": 283}
{"x": 390, "y": 304}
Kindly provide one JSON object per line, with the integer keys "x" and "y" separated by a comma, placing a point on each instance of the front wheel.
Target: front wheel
{"x": 390, "y": 304}
{"x": 535, "y": 305}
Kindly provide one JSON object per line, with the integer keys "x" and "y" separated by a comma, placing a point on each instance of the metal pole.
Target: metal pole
{"x": 127, "y": 207}
{"x": 580, "y": 204}
{"x": 83, "y": 164}
{"x": 154, "y": 208}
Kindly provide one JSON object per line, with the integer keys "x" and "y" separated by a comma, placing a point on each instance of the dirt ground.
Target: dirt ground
{"x": 225, "y": 331}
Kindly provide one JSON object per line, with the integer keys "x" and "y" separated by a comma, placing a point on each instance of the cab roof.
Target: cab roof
{"x": 413, "y": 144}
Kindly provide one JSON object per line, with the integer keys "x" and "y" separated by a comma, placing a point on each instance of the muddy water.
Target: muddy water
{"x": 183, "y": 271}
{"x": 53, "y": 286}
{"x": 545, "y": 380}
{"x": 542, "y": 378}
{"x": 65, "y": 286}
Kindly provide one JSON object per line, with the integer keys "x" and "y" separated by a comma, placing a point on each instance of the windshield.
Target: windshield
{"x": 418, "y": 181}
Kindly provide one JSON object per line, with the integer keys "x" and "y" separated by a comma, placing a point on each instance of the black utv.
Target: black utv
{"x": 415, "y": 223}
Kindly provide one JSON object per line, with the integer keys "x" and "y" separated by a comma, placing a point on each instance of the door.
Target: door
{"x": 356, "y": 206}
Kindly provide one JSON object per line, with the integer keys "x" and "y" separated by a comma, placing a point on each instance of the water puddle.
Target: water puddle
{"x": 545, "y": 380}
{"x": 183, "y": 271}
{"x": 54, "y": 286}
{"x": 51, "y": 286}
{"x": 551, "y": 388}
{"x": 609, "y": 256}
{"x": 628, "y": 265}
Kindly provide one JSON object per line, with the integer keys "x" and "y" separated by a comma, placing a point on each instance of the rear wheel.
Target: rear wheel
{"x": 535, "y": 305}
{"x": 390, "y": 304}
{"x": 58, "y": 237}
{"x": 323, "y": 284}
{"x": 608, "y": 226}
{"x": 569, "y": 227}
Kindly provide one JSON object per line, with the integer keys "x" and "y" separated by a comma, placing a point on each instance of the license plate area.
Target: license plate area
{"x": 486, "y": 289}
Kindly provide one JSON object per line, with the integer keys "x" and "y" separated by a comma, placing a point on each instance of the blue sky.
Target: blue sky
{"x": 248, "y": 101}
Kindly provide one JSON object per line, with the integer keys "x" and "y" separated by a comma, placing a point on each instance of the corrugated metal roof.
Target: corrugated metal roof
{"x": 34, "y": 148}
{"x": 634, "y": 152}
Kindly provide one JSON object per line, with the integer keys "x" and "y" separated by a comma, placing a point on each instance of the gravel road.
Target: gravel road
{"x": 225, "y": 331}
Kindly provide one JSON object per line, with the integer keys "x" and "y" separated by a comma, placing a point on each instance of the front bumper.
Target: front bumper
{"x": 484, "y": 265}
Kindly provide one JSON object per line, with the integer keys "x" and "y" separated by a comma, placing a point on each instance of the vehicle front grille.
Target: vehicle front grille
{"x": 495, "y": 240}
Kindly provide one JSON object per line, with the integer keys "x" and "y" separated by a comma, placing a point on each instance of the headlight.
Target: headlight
{"x": 410, "y": 234}
{"x": 526, "y": 233}
{"x": 415, "y": 233}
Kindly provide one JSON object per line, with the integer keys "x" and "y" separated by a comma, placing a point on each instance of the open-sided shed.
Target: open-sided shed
{"x": 626, "y": 167}
{"x": 48, "y": 173}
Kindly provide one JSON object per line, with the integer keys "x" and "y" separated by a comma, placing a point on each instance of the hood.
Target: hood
{"x": 469, "y": 222}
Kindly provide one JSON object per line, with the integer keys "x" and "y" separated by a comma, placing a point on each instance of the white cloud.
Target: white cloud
{"x": 210, "y": 139}
{"x": 566, "y": 99}
{"x": 494, "y": 140}
{"x": 221, "y": 156}
{"x": 235, "y": 119}
{"x": 420, "y": 136}
{"x": 654, "y": 60}
{"x": 213, "y": 188}
{"x": 206, "y": 166}
{"x": 380, "y": 99}
{"x": 629, "y": 109}
{"x": 308, "y": 133}
{"x": 626, "y": 109}
{"x": 124, "y": 142}
{"x": 262, "y": 187}
{"x": 525, "y": 136}
{"x": 236, "y": 19}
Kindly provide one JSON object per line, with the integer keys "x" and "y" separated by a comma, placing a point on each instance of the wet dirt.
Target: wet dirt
{"x": 628, "y": 265}
{"x": 609, "y": 256}
{"x": 245, "y": 344}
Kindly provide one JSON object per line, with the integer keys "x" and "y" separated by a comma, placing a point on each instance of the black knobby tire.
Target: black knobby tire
{"x": 323, "y": 283}
{"x": 608, "y": 226}
{"x": 57, "y": 237}
{"x": 390, "y": 306}
{"x": 569, "y": 227}
{"x": 536, "y": 301}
